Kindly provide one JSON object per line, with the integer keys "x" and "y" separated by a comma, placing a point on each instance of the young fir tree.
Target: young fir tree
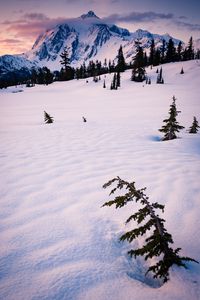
{"x": 160, "y": 79}
{"x": 171, "y": 126}
{"x": 182, "y": 71}
{"x": 152, "y": 53}
{"x": 66, "y": 72}
{"x": 194, "y": 127}
{"x": 114, "y": 85}
{"x": 157, "y": 244}
{"x": 104, "y": 84}
{"x": 47, "y": 118}
{"x": 171, "y": 51}
{"x": 138, "y": 72}
{"x": 65, "y": 61}
{"x": 118, "y": 79}
{"x": 121, "y": 65}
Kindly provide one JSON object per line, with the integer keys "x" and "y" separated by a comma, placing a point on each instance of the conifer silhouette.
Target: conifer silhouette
{"x": 47, "y": 118}
{"x": 194, "y": 127}
{"x": 157, "y": 245}
{"x": 171, "y": 126}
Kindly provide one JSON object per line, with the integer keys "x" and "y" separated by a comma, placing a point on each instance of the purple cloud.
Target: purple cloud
{"x": 148, "y": 16}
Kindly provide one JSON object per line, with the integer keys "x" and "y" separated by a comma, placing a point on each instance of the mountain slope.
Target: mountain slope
{"x": 56, "y": 240}
{"x": 86, "y": 37}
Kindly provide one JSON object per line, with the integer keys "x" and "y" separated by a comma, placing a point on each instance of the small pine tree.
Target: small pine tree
{"x": 138, "y": 71}
{"x": 121, "y": 65}
{"x": 47, "y": 118}
{"x": 182, "y": 71}
{"x": 114, "y": 82}
{"x": 104, "y": 84}
{"x": 171, "y": 126}
{"x": 194, "y": 127}
{"x": 160, "y": 79}
{"x": 149, "y": 82}
{"x": 118, "y": 79}
{"x": 157, "y": 245}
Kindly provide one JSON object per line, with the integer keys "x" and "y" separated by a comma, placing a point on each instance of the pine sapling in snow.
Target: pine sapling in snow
{"x": 160, "y": 79}
{"x": 194, "y": 127}
{"x": 171, "y": 126}
{"x": 182, "y": 71}
{"x": 47, "y": 118}
{"x": 157, "y": 244}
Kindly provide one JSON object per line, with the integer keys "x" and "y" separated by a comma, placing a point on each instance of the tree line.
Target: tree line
{"x": 166, "y": 53}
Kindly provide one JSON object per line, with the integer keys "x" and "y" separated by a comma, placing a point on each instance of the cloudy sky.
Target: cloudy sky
{"x": 21, "y": 21}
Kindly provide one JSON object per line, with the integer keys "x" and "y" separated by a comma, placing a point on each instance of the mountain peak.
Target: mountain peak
{"x": 90, "y": 14}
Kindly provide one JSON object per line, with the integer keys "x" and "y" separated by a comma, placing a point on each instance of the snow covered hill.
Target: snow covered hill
{"x": 56, "y": 240}
{"x": 87, "y": 37}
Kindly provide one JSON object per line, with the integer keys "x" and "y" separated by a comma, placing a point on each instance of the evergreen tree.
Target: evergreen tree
{"x": 65, "y": 61}
{"x": 104, "y": 84}
{"x": 47, "y": 76}
{"x": 157, "y": 244}
{"x": 138, "y": 72}
{"x": 114, "y": 85}
{"x": 163, "y": 49}
{"x": 182, "y": 71}
{"x": 152, "y": 53}
{"x": 118, "y": 79}
{"x": 171, "y": 126}
{"x": 47, "y": 118}
{"x": 160, "y": 79}
{"x": 179, "y": 51}
{"x": 66, "y": 73}
{"x": 157, "y": 58}
{"x": 121, "y": 65}
{"x": 171, "y": 51}
{"x": 194, "y": 127}
{"x": 189, "y": 51}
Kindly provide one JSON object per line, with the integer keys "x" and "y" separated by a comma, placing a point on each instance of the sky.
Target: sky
{"x": 21, "y": 21}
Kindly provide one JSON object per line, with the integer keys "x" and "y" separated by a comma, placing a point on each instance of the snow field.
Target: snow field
{"x": 56, "y": 240}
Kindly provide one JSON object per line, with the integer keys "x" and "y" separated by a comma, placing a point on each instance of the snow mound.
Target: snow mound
{"x": 56, "y": 240}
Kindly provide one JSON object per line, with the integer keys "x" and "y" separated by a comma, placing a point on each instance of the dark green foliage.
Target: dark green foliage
{"x": 171, "y": 126}
{"x": 189, "y": 51}
{"x": 160, "y": 79}
{"x": 121, "y": 65}
{"x": 47, "y": 118}
{"x": 194, "y": 127}
{"x": 152, "y": 53}
{"x": 118, "y": 79}
{"x": 157, "y": 244}
{"x": 114, "y": 84}
{"x": 66, "y": 72}
{"x": 179, "y": 51}
{"x": 171, "y": 52}
{"x": 138, "y": 72}
{"x": 65, "y": 61}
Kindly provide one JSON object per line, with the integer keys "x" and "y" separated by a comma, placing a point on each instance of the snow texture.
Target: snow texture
{"x": 56, "y": 240}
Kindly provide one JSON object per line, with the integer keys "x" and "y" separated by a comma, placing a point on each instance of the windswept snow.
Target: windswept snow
{"x": 56, "y": 240}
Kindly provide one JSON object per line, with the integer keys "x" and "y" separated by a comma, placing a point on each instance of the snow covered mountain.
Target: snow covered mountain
{"x": 86, "y": 37}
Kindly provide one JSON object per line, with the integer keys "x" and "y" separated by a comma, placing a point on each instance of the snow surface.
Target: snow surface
{"x": 56, "y": 240}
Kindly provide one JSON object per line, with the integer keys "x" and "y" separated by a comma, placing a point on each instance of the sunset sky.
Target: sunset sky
{"x": 21, "y": 21}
